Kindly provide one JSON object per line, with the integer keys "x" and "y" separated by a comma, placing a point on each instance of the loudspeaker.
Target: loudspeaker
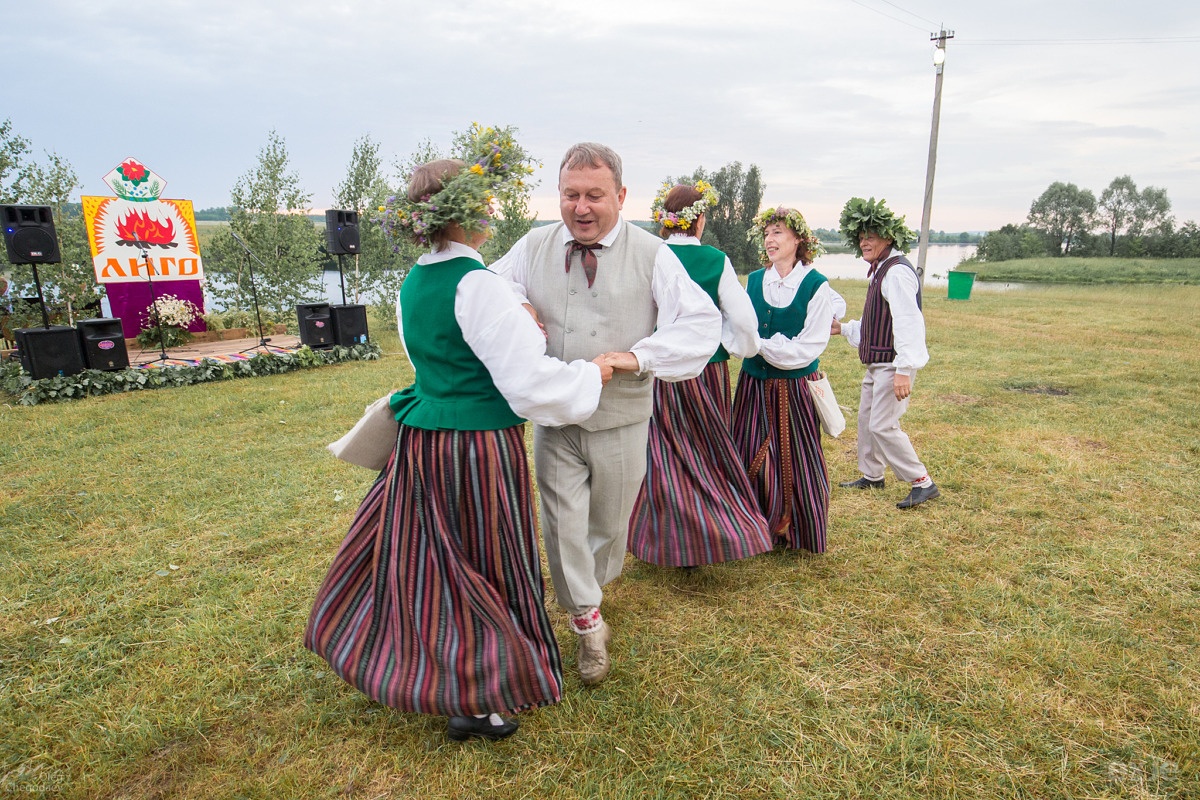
{"x": 103, "y": 343}
{"x": 341, "y": 232}
{"x": 29, "y": 235}
{"x": 349, "y": 324}
{"x": 316, "y": 329}
{"x": 50, "y": 352}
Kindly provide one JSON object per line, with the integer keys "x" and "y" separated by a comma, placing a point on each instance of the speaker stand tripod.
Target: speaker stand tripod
{"x": 262, "y": 340}
{"x": 342, "y": 277}
{"x": 144, "y": 248}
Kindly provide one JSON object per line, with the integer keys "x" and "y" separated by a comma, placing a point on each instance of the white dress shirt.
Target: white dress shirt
{"x": 502, "y": 335}
{"x": 739, "y": 323}
{"x": 797, "y": 352}
{"x": 899, "y": 288}
{"x": 685, "y": 336}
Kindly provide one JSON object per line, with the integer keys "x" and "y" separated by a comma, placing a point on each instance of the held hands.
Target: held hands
{"x": 606, "y": 370}
{"x": 621, "y": 362}
{"x": 902, "y": 385}
{"x": 835, "y": 328}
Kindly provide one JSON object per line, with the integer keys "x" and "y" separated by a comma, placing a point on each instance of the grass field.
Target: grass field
{"x": 1035, "y": 633}
{"x": 1090, "y": 270}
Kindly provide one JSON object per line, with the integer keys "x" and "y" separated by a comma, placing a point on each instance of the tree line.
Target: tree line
{"x": 1066, "y": 220}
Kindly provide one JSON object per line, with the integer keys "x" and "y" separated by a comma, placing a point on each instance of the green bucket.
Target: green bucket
{"x": 960, "y": 285}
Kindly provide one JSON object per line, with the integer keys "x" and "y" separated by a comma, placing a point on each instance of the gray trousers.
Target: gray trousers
{"x": 880, "y": 441}
{"x": 588, "y": 482}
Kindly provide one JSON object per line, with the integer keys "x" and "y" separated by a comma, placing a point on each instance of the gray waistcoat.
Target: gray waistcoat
{"x": 611, "y": 316}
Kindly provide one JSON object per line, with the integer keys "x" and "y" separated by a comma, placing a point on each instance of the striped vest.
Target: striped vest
{"x": 877, "y": 344}
{"x": 612, "y": 315}
{"x": 453, "y": 389}
{"x": 704, "y": 265}
{"x": 789, "y": 321}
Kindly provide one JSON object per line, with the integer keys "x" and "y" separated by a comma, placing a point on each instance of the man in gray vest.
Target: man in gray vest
{"x": 601, "y": 285}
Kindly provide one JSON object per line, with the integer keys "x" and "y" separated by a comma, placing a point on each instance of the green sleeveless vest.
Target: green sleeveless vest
{"x": 788, "y": 321}
{"x": 452, "y": 390}
{"x": 704, "y": 265}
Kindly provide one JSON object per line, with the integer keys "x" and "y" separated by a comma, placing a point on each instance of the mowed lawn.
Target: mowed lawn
{"x": 1032, "y": 634}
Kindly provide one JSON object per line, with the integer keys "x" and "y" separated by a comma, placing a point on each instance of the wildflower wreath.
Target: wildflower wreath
{"x": 686, "y": 217}
{"x": 791, "y": 219}
{"x": 496, "y": 172}
{"x": 860, "y": 216}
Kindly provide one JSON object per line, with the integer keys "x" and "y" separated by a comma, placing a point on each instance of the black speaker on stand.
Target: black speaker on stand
{"x": 30, "y": 238}
{"x": 49, "y": 352}
{"x": 341, "y": 232}
{"x": 349, "y": 324}
{"x": 103, "y": 343}
{"x": 29, "y": 235}
{"x": 316, "y": 327}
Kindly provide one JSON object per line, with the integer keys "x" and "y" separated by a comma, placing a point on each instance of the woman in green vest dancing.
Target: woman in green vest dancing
{"x": 696, "y": 505}
{"x": 435, "y": 601}
{"x": 775, "y": 421}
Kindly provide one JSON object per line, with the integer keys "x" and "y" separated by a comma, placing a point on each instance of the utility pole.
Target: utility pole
{"x": 939, "y": 60}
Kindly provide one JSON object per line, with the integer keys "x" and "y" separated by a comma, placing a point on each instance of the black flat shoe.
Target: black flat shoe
{"x": 462, "y": 728}
{"x": 862, "y": 483}
{"x": 919, "y": 495}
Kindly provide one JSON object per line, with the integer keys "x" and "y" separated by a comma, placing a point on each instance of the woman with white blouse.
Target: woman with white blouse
{"x": 696, "y": 505}
{"x": 435, "y": 601}
{"x": 775, "y": 421}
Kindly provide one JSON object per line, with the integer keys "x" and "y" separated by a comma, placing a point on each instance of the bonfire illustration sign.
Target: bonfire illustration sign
{"x": 143, "y": 246}
{"x": 138, "y": 232}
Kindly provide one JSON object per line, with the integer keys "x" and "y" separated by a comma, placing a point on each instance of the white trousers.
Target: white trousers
{"x": 588, "y": 482}
{"x": 881, "y": 443}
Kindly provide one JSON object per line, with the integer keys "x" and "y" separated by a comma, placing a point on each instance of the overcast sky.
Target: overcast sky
{"x": 830, "y": 98}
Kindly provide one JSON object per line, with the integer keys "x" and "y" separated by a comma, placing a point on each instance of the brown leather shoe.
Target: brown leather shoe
{"x": 593, "y": 659}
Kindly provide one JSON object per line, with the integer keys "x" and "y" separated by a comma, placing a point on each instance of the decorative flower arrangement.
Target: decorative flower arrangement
{"x": 686, "y": 217}
{"x": 497, "y": 169}
{"x": 791, "y": 219}
{"x": 859, "y": 216}
{"x": 174, "y": 316}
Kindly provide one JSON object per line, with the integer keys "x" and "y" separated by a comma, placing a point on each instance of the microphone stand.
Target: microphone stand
{"x": 262, "y": 340}
{"x": 144, "y": 248}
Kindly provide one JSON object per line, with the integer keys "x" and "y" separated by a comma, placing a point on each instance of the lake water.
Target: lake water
{"x": 940, "y": 259}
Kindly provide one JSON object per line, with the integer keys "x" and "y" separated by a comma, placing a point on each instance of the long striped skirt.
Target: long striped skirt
{"x": 435, "y": 600}
{"x": 696, "y": 505}
{"x": 778, "y": 434}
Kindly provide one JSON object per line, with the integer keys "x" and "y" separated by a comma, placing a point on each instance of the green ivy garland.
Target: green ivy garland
{"x": 93, "y": 382}
{"x": 860, "y": 216}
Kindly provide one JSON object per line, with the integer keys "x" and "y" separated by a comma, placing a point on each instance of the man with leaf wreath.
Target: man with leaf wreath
{"x": 890, "y": 339}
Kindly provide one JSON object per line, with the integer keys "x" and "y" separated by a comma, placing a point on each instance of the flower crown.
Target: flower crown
{"x": 792, "y": 220}
{"x": 497, "y": 167}
{"x": 686, "y": 217}
{"x": 859, "y": 216}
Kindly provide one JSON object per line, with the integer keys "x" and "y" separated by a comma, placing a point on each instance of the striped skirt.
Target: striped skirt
{"x": 778, "y": 434}
{"x": 435, "y": 600}
{"x": 696, "y": 505}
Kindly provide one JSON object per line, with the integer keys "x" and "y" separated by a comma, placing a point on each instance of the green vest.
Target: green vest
{"x": 452, "y": 390}
{"x": 788, "y": 321}
{"x": 705, "y": 266}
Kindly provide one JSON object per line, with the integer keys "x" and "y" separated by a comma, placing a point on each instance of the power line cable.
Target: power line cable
{"x": 911, "y": 14}
{"x": 1129, "y": 40}
{"x": 889, "y": 16}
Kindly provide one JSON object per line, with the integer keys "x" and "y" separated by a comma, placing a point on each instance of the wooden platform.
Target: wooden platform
{"x": 219, "y": 350}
